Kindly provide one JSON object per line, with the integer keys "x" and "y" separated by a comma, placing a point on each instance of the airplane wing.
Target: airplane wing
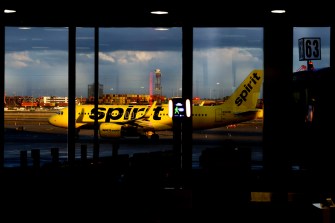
{"x": 81, "y": 116}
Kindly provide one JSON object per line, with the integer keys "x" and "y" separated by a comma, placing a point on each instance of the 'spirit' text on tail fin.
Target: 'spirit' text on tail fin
{"x": 248, "y": 92}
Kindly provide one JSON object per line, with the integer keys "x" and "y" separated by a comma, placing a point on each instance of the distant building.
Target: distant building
{"x": 90, "y": 91}
{"x": 53, "y": 101}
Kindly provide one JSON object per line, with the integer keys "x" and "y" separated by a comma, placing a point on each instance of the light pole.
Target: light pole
{"x": 179, "y": 91}
{"x": 218, "y": 85}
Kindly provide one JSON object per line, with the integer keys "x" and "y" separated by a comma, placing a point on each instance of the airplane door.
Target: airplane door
{"x": 218, "y": 115}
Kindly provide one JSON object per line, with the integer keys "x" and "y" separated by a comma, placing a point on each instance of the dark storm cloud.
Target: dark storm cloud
{"x": 135, "y": 39}
{"x": 141, "y": 39}
{"x": 22, "y": 39}
{"x": 228, "y": 37}
{"x": 111, "y": 39}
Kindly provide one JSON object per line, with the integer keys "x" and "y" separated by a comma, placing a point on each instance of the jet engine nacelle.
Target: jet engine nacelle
{"x": 109, "y": 130}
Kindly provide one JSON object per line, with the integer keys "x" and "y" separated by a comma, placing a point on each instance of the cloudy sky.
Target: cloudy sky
{"x": 36, "y": 59}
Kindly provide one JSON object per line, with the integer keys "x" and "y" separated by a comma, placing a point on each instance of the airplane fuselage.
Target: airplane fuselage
{"x": 115, "y": 120}
{"x": 214, "y": 116}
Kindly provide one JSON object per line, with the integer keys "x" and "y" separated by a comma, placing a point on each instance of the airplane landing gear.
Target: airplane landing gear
{"x": 77, "y": 134}
{"x": 155, "y": 137}
{"x": 150, "y": 135}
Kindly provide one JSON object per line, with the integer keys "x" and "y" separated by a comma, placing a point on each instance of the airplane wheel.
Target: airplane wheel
{"x": 143, "y": 137}
{"x": 155, "y": 137}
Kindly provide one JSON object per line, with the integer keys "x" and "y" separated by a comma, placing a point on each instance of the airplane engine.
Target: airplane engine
{"x": 109, "y": 130}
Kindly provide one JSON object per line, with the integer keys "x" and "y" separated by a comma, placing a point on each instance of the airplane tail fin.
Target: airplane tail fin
{"x": 245, "y": 97}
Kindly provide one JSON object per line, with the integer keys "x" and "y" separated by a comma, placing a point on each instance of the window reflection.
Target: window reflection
{"x": 36, "y": 67}
{"x": 137, "y": 66}
{"x": 222, "y": 59}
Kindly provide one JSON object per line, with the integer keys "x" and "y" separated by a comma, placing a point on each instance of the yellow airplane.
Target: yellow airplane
{"x": 117, "y": 121}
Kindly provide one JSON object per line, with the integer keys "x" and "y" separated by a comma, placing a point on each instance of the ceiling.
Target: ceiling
{"x": 137, "y": 13}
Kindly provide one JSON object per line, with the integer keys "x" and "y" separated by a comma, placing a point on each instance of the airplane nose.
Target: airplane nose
{"x": 52, "y": 120}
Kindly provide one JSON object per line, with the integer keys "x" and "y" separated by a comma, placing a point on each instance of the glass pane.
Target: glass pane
{"x": 227, "y": 86}
{"x": 84, "y": 88}
{"x": 312, "y": 79}
{"x": 139, "y": 70}
{"x": 36, "y": 68}
{"x": 138, "y": 67}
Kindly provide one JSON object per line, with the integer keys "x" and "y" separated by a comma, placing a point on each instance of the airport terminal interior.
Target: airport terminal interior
{"x": 291, "y": 182}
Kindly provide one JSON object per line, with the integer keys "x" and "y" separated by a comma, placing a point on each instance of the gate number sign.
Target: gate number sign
{"x": 309, "y": 49}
